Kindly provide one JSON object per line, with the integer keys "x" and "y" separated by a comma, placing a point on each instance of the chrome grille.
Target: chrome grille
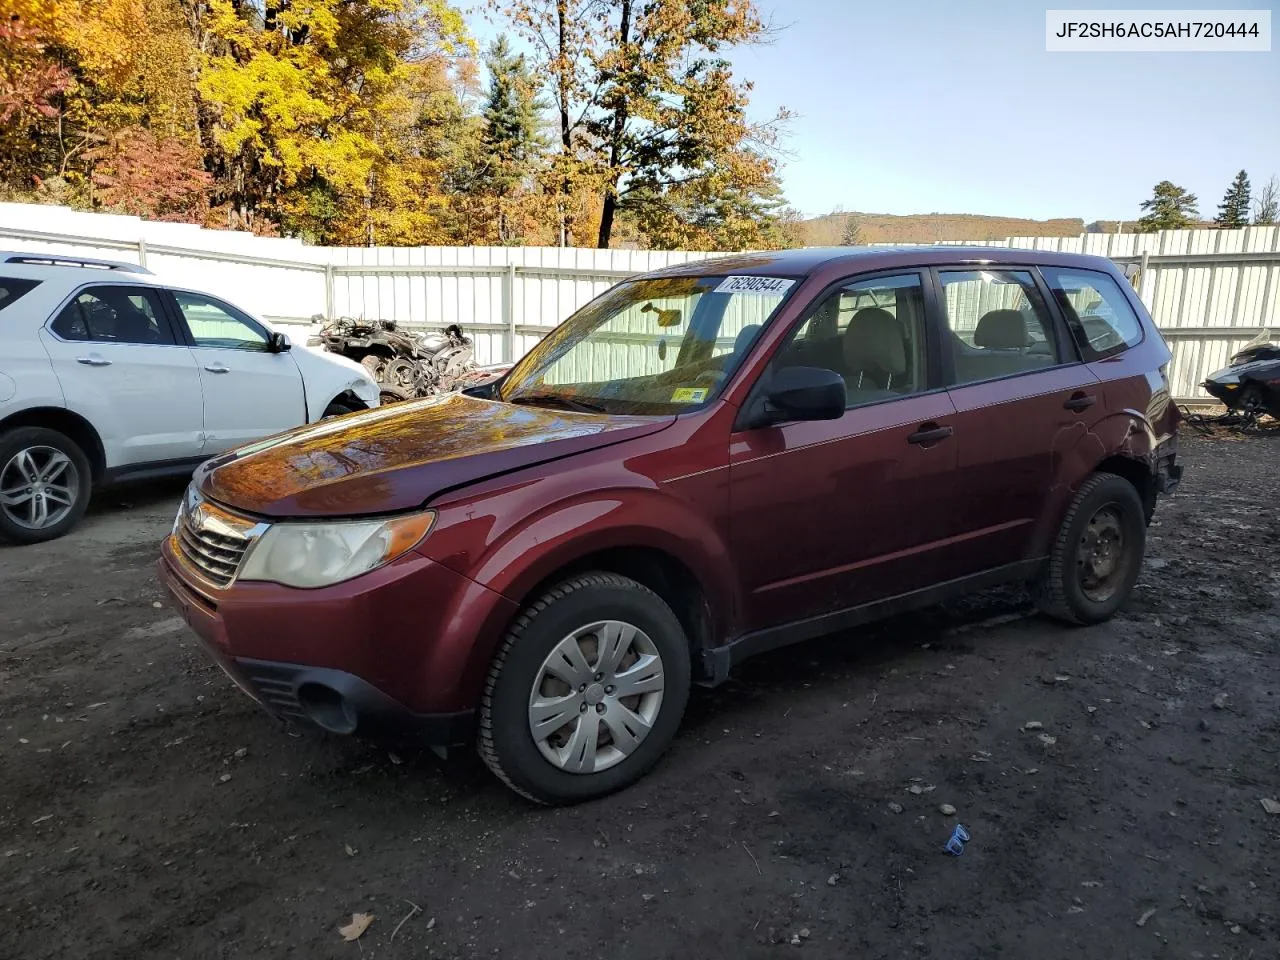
{"x": 212, "y": 540}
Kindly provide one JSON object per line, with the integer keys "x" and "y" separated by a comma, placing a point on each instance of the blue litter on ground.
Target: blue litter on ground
{"x": 959, "y": 837}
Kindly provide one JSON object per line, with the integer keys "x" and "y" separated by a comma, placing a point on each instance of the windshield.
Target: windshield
{"x": 649, "y": 346}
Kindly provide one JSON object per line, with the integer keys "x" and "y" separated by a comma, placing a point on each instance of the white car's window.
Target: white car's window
{"x": 114, "y": 314}
{"x": 12, "y": 288}
{"x": 217, "y": 324}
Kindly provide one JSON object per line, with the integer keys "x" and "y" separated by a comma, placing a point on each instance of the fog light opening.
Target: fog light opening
{"x": 327, "y": 708}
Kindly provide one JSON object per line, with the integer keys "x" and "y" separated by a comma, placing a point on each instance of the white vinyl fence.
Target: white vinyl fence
{"x": 1210, "y": 291}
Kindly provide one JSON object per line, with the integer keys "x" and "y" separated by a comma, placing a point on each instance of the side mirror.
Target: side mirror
{"x": 277, "y": 342}
{"x": 806, "y": 393}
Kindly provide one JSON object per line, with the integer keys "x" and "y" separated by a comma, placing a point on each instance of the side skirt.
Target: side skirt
{"x": 153, "y": 470}
{"x": 718, "y": 661}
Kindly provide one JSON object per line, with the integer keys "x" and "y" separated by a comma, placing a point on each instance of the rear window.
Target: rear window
{"x": 14, "y": 288}
{"x": 1101, "y": 319}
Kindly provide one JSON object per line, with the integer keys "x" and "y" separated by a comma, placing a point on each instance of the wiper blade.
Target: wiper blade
{"x": 569, "y": 403}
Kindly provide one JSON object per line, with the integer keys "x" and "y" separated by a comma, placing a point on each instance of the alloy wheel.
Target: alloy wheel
{"x": 596, "y": 697}
{"x": 39, "y": 487}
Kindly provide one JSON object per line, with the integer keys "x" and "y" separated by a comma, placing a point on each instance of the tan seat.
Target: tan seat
{"x": 875, "y": 352}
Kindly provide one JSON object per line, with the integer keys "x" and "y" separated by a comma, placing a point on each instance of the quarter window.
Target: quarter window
{"x": 216, "y": 324}
{"x": 871, "y": 333}
{"x": 1098, "y": 313}
{"x": 112, "y": 314}
{"x": 12, "y": 288}
{"x": 998, "y": 324}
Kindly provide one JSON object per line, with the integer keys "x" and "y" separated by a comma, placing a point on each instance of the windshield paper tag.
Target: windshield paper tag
{"x": 761, "y": 286}
{"x": 689, "y": 395}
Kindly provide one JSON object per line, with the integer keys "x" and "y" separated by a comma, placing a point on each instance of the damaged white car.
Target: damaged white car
{"x": 107, "y": 373}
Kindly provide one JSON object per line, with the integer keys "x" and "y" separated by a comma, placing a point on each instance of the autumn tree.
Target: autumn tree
{"x": 142, "y": 172}
{"x": 1170, "y": 208}
{"x": 302, "y": 100}
{"x": 1266, "y": 208}
{"x": 648, "y": 107}
{"x": 1233, "y": 212}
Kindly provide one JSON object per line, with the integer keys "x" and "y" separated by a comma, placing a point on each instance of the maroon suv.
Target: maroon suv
{"x": 704, "y": 463}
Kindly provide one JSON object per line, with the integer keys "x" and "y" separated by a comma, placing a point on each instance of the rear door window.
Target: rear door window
{"x": 13, "y": 288}
{"x": 998, "y": 324}
{"x": 1097, "y": 311}
{"x": 114, "y": 314}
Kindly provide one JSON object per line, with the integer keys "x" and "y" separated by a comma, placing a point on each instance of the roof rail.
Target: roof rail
{"x": 59, "y": 260}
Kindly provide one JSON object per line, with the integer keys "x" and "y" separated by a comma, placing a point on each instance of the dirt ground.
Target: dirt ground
{"x": 148, "y": 809}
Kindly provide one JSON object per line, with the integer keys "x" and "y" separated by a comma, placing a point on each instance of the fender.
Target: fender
{"x": 1125, "y": 433}
{"x": 512, "y": 561}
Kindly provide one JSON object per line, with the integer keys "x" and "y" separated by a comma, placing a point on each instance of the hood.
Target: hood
{"x": 399, "y": 457}
{"x": 307, "y": 356}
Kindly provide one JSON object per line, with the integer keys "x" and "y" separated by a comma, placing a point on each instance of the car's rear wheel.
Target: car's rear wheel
{"x": 45, "y": 483}
{"x": 586, "y": 691}
{"x": 1098, "y": 553}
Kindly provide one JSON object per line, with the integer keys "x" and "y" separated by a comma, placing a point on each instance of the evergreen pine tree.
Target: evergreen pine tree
{"x": 512, "y": 137}
{"x": 1170, "y": 208}
{"x": 1233, "y": 212}
{"x": 852, "y": 235}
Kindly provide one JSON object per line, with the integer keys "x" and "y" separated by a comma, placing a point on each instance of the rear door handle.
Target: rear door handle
{"x": 929, "y": 433}
{"x": 217, "y": 368}
{"x": 1080, "y": 401}
{"x": 93, "y": 360}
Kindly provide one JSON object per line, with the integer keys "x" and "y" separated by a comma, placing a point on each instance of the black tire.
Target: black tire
{"x": 400, "y": 375}
{"x": 339, "y": 408}
{"x": 1063, "y": 591}
{"x": 505, "y": 741}
{"x": 23, "y": 438}
{"x": 388, "y": 393}
{"x": 375, "y": 364}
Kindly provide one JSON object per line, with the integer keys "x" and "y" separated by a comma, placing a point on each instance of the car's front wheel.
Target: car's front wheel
{"x": 586, "y": 691}
{"x": 1098, "y": 552}
{"x": 45, "y": 483}
{"x": 339, "y": 408}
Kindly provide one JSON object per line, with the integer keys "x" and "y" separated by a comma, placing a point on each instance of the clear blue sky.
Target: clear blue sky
{"x": 919, "y": 106}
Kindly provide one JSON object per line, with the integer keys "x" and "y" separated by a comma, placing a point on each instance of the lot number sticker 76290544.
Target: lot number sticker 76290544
{"x": 762, "y": 286}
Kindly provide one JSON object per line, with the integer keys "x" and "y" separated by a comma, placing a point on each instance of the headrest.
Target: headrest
{"x": 746, "y": 336}
{"x": 1001, "y": 330}
{"x": 874, "y": 342}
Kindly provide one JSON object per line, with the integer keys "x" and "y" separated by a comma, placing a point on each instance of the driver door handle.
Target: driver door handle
{"x": 217, "y": 368}
{"x": 1080, "y": 401}
{"x": 93, "y": 360}
{"x": 930, "y": 433}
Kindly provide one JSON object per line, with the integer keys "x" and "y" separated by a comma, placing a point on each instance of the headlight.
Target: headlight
{"x": 320, "y": 554}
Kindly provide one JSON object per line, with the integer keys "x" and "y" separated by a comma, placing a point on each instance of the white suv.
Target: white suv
{"x": 107, "y": 373}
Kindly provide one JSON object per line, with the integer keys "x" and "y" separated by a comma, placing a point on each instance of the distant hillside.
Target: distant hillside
{"x": 931, "y": 227}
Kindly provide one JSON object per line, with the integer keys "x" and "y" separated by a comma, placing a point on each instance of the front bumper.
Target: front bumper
{"x": 339, "y": 702}
{"x": 400, "y": 650}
